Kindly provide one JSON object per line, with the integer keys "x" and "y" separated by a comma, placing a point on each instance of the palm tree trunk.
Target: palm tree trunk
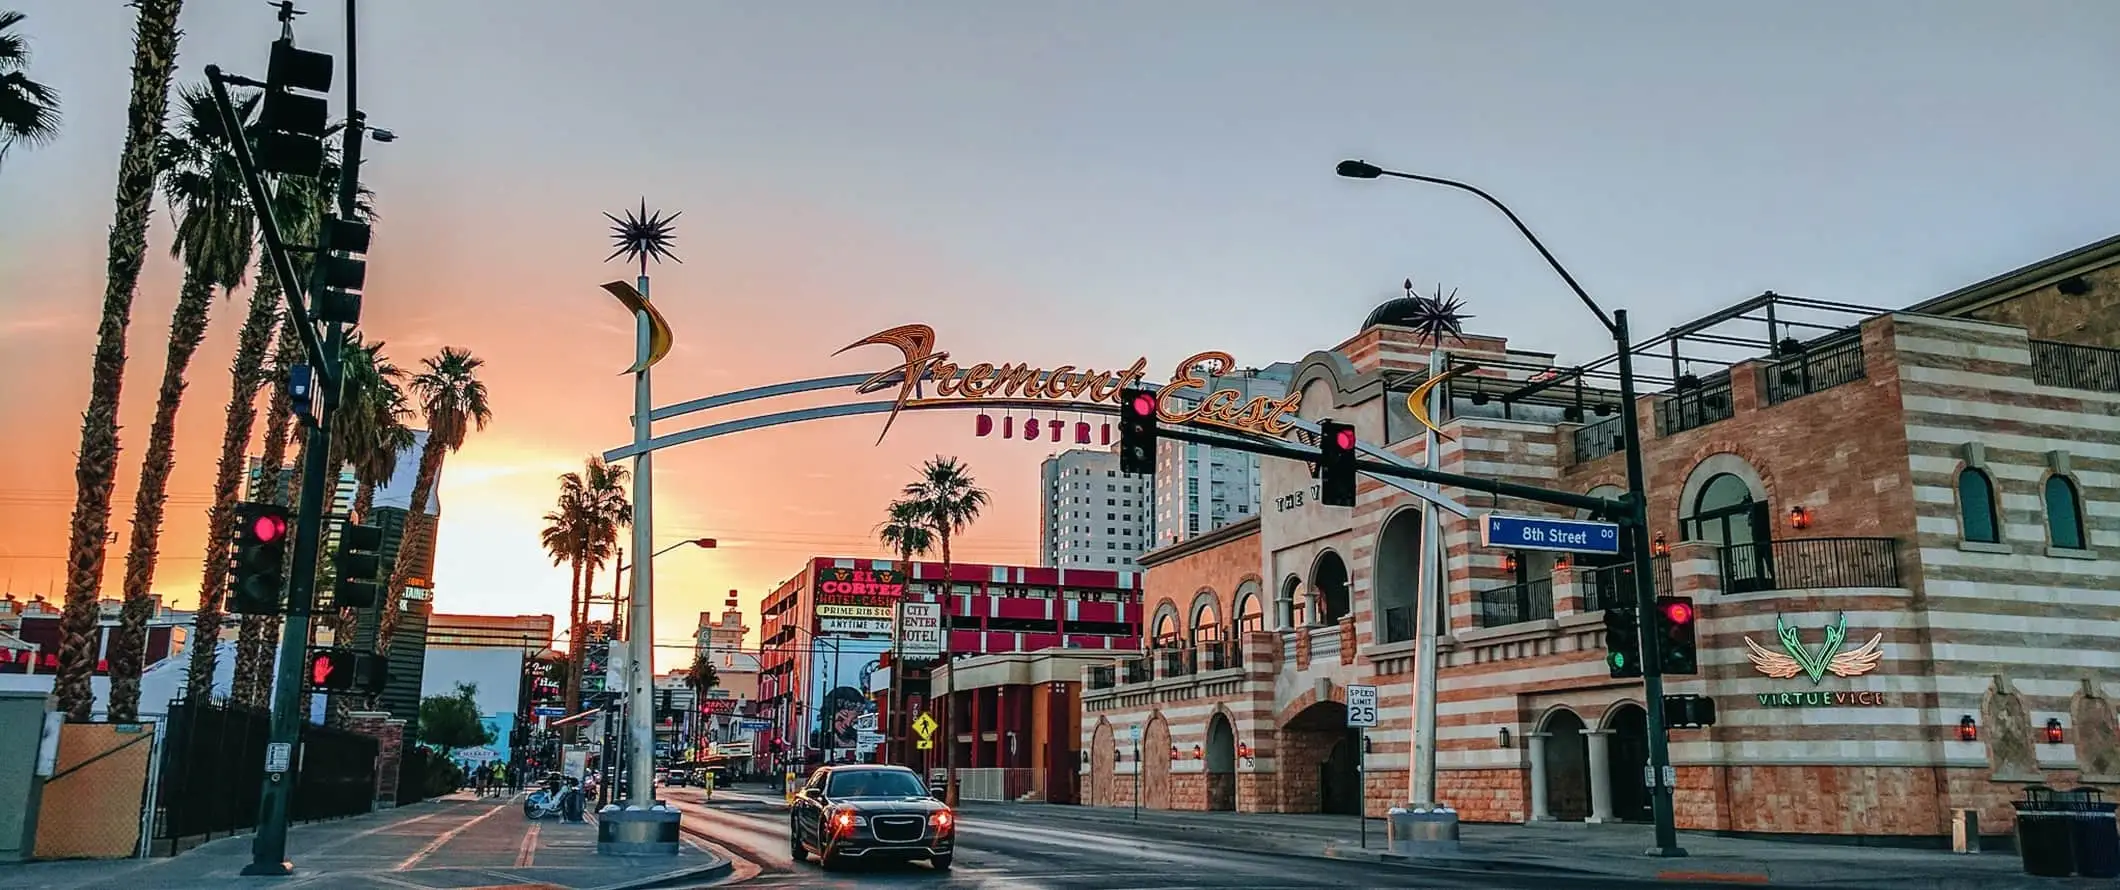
{"x": 254, "y": 644}
{"x": 96, "y": 472}
{"x": 577, "y": 609}
{"x": 949, "y": 679}
{"x": 128, "y": 644}
{"x": 363, "y": 501}
{"x": 417, "y": 528}
{"x": 247, "y": 374}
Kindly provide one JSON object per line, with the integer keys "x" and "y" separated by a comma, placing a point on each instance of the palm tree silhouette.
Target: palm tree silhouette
{"x": 453, "y": 400}
{"x": 29, "y": 110}
{"x": 951, "y": 500}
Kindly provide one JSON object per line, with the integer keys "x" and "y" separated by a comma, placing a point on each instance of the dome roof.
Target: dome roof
{"x": 1400, "y": 311}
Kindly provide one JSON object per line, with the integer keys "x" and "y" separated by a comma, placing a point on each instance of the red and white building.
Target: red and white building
{"x": 825, "y": 640}
{"x": 1931, "y": 495}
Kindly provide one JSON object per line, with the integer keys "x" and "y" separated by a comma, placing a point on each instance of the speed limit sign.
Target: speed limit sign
{"x": 1361, "y": 706}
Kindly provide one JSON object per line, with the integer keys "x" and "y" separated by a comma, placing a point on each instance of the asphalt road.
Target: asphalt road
{"x": 1004, "y": 852}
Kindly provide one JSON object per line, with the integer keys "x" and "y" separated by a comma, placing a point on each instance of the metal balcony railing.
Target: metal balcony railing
{"x": 1221, "y": 655}
{"x": 1177, "y": 662}
{"x": 1817, "y": 370}
{"x": 1103, "y": 677}
{"x": 1398, "y": 624}
{"x": 1136, "y": 670}
{"x": 1811, "y": 564}
{"x": 2068, "y": 365}
{"x": 1612, "y": 587}
{"x": 1515, "y": 604}
{"x": 1695, "y": 408}
{"x": 1599, "y": 439}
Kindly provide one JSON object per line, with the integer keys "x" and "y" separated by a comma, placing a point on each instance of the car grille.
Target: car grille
{"x": 898, "y": 829}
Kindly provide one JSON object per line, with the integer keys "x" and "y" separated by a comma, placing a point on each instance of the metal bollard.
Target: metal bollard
{"x": 1965, "y": 831}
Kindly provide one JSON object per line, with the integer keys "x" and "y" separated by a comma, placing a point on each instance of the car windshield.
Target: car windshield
{"x": 874, "y": 783}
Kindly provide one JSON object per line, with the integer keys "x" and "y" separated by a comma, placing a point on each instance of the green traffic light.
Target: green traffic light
{"x": 1619, "y": 659}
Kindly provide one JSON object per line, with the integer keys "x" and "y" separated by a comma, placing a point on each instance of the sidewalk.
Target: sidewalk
{"x": 457, "y": 842}
{"x": 1562, "y": 849}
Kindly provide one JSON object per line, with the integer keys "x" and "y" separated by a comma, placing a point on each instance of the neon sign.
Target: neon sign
{"x": 1815, "y": 663}
{"x": 1066, "y": 385}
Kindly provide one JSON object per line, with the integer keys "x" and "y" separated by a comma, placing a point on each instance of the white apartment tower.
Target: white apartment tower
{"x": 1092, "y": 516}
{"x": 1200, "y": 488}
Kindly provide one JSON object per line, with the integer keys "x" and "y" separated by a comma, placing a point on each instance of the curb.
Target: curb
{"x": 697, "y": 874}
{"x": 1466, "y": 864}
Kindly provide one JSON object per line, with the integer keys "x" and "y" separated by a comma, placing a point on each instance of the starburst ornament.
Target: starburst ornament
{"x": 1438, "y": 316}
{"x": 643, "y": 236}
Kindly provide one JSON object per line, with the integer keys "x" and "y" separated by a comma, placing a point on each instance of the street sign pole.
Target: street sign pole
{"x": 1361, "y": 716}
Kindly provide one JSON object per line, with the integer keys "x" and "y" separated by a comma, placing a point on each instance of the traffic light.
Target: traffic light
{"x": 295, "y": 114}
{"x": 1336, "y": 449}
{"x": 333, "y": 670}
{"x": 1674, "y": 630}
{"x": 359, "y": 565}
{"x": 344, "y": 272}
{"x": 1689, "y": 711}
{"x": 1137, "y": 431}
{"x": 1623, "y": 643}
{"x": 370, "y": 673}
{"x": 258, "y": 570}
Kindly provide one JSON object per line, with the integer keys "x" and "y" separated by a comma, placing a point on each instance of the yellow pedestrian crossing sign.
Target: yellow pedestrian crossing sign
{"x": 925, "y": 726}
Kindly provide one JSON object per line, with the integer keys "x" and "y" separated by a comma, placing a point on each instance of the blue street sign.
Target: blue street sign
{"x": 1540, "y": 533}
{"x": 549, "y": 711}
{"x": 754, "y": 725}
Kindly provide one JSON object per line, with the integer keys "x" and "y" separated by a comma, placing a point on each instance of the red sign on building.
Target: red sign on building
{"x": 860, "y": 586}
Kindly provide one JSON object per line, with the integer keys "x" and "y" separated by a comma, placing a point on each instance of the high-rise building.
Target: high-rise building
{"x": 1091, "y": 516}
{"x": 1200, "y": 488}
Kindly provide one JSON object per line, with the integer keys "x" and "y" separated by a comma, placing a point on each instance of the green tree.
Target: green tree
{"x": 582, "y": 530}
{"x": 155, "y": 41}
{"x": 216, "y": 229}
{"x": 701, "y": 677}
{"x": 29, "y": 110}
{"x": 905, "y": 530}
{"x": 951, "y": 500}
{"x": 451, "y": 721}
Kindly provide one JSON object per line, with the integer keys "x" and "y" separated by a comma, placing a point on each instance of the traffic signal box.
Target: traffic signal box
{"x": 1623, "y": 642}
{"x": 295, "y": 114}
{"x": 359, "y": 566}
{"x": 1137, "y": 431}
{"x": 1336, "y": 451}
{"x": 258, "y": 566}
{"x": 345, "y": 670}
{"x": 1674, "y": 629}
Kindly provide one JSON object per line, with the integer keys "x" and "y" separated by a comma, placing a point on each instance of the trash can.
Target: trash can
{"x": 2095, "y": 836}
{"x": 2044, "y": 829}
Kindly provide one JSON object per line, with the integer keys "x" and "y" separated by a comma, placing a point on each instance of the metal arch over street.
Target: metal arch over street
{"x": 1428, "y": 493}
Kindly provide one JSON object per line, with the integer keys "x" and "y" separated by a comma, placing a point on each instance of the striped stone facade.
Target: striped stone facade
{"x": 1840, "y": 483}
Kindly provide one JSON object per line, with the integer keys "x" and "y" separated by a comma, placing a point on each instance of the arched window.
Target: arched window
{"x": 1249, "y": 616}
{"x": 1976, "y": 507}
{"x": 1166, "y": 629}
{"x": 2064, "y": 514}
{"x": 1727, "y": 514}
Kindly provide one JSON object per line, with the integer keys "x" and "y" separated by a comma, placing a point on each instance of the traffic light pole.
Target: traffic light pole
{"x": 268, "y": 848}
{"x": 1637, "y": 517}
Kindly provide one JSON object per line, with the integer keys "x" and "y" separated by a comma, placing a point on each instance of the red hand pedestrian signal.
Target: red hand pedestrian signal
{"x": 320, "y": 671}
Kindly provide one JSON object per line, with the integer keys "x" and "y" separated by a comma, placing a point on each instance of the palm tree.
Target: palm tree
{"x": 297, "y": 203}
{"x": 215, "y": 227}
{"x": 906, "y": 532}
{"x": 454, "y": 402}
{"x": 96, "y": 467}
{"x": 29, "y": 111}
{"x": 951, "y": 500}
{"x": 376, "y": 427}
{"x": 701, "y": 677}
{"x": 562, "y": 537}
{"x": 600, "y": 493}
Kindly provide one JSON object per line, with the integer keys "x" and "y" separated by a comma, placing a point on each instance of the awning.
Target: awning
{"x": 577, "y": 717}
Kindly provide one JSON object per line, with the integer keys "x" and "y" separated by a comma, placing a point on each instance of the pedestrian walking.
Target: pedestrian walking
{"x": 500, "y": 778}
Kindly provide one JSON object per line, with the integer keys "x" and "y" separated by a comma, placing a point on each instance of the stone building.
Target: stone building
{"x": 1901, "y": 531}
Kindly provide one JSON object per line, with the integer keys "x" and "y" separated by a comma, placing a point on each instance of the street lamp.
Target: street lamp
{"x": 1637, "y": 517}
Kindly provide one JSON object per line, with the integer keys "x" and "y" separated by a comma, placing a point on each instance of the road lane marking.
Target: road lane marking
{"x": 445, "y": 837}
{"x": 528, "y": 852}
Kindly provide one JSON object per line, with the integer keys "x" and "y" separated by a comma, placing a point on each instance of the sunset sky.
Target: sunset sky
{"x": 1074, "y": 183}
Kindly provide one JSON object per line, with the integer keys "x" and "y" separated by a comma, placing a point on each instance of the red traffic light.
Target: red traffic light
{"x": 268, "y": 528}
{"x": 1143, "y": 405}
{"x": 1678, "y": 613}
{"x": 321, "y": 666}
{"x": 1344, "y": 439}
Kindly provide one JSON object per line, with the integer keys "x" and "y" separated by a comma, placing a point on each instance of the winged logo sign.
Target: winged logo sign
{"x": 1829, "y": 657}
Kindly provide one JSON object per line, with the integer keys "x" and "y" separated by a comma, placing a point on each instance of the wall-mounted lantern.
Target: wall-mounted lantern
{"x": 1503, "y": 738}
{"x": 1199, "y": 754}
{"x": 1509, "y": 563}
{"x": 1244, "y": 750}
{"x": 1660, "y": 546}
{"x": 1562, "y": 563}
{"x": 1799, "y": 517}
{"x": 1368, "y": 744}
{"x": 1085, "y": 758}
{"x": 2054, "y": 735}
{"x": 1174, "y": 753}
{"x": 1968, "y": 731}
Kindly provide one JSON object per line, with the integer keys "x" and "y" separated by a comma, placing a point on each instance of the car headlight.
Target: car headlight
{"x": 845, "y": 820}
{"x": 941, "y": 819}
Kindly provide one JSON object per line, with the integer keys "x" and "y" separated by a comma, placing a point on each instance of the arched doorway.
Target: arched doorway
{"x": 1628, "y": 755}
{"x": 1567, "y": 756}
{"x": 1398, "y": 577}
{"x": 1221, "y": 764}
{"x": 1727, "y": 513}
{"x": 1103, "y": 765}
{"x": 1319, "y": 767}
{"x": 1155, "y": 765}
{"x": 1328, "y": 577}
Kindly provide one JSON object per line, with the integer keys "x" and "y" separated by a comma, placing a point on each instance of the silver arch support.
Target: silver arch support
{"x": 1428, "y": 493}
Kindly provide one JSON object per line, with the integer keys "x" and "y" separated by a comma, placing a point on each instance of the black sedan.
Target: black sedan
{"x": 860, "y": 811}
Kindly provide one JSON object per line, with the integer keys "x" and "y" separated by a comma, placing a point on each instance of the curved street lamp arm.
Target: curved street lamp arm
{"x": 1520, "y": 227}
